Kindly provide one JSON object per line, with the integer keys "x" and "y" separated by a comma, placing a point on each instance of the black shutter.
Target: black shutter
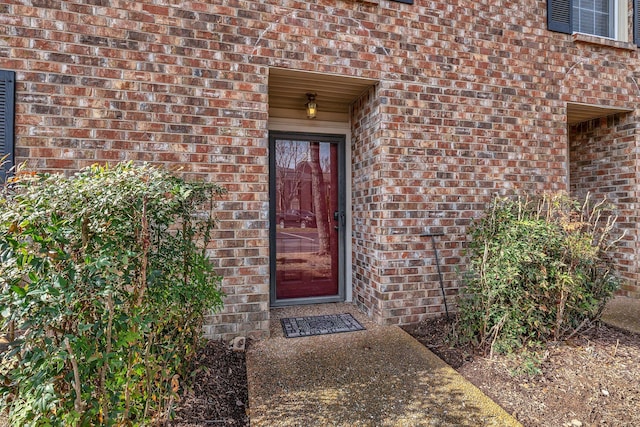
{"x": 7, "y": 114}
{"x": 636, "y": 22}
{"x": 560, "y": 15}
{"x": 403, "y": 1}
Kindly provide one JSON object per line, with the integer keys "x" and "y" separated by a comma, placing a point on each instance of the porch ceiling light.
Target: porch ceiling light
{"x": 312, "y": 107}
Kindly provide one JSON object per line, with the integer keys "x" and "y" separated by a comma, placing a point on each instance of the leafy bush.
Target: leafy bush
{"x": 105, "y": 277}
{"x": 538, "y": 271}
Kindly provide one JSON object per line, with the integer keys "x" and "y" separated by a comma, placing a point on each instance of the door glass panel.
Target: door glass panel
{"x": 306, "y": 198}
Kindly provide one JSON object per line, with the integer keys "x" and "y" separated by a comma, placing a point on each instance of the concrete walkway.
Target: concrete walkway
{"x": 623, "y": 313}
{"x": 378, "y": 377}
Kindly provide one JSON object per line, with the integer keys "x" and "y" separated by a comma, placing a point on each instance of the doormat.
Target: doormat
{"x": 294, "y": 327}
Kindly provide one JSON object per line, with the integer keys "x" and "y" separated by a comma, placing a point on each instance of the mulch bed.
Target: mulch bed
{"x": 218, "y": 393}
{"x": 589, "y": 380}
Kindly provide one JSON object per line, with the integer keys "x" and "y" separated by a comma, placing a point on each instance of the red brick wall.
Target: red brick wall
{"x": 366, "y": 197}
{"x": 107, "y": 81}
{"x": 604, "y": 161}
{"x": 471, "y": 101}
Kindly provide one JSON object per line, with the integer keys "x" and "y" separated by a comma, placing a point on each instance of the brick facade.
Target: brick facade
{"x": 470, "y": 100}
{"x": 604, "y": 161}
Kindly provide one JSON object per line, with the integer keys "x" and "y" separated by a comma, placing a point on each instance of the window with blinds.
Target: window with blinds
{"x": 596, "y": 17}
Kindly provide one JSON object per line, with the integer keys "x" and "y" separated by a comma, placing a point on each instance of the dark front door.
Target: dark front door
{"x": 307, "y": 215}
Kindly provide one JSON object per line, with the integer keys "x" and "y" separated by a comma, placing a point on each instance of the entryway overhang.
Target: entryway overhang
{"x": 578, "y": 113}
{"x": 334, "y": 94}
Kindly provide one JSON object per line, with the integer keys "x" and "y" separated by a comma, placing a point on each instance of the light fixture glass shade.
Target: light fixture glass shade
{"x": 312, "y": 107}
{"x": 312, "y": 110}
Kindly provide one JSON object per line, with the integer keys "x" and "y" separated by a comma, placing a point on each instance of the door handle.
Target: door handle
{"x": 340, "y": 216}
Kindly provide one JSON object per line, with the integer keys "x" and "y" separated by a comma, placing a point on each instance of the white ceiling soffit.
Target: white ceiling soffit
{"x": 577, "y": 113}
{"x": 288, "y": 90}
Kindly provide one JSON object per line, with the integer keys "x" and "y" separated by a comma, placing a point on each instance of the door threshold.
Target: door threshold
{"x": 307, "y": 301}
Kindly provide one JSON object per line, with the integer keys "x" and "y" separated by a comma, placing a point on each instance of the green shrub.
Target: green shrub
{"x": 538, "y": 271}
{"x": 104, "y": 274}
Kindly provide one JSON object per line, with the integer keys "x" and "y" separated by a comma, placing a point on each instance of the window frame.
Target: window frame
{"x": 612, "y": 25}
{"x": 560, "y": 19}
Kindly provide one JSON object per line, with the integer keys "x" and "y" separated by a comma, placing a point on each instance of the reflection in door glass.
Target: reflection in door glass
{"x": 307, "y": 229}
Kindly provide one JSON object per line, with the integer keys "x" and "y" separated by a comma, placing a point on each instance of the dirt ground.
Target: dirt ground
{"x": 589, "y": 380}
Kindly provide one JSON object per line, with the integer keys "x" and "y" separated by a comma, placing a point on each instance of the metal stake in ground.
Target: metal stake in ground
{"x": 435, "y": 251}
